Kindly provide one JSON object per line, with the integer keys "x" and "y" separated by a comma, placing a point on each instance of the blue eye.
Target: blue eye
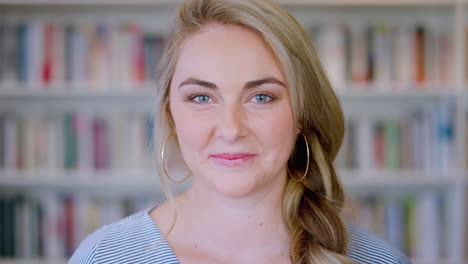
{"x": 202, "y": 99}
{"x": 262, "y": 98}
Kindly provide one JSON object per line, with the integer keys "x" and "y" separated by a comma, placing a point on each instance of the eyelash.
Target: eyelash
{"x": 192, "y": 98}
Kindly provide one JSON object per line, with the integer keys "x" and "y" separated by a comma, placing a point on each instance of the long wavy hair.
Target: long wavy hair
{"x": 311, "y": 207}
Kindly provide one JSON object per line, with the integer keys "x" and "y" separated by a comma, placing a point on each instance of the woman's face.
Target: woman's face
{"x": 232, "y": 111}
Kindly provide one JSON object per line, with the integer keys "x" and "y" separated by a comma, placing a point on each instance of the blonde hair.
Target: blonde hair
{"x": 311, "y": 207}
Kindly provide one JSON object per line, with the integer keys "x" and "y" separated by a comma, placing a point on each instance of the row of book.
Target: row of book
{"x": 415, "y": 224}
{"x": 41, "y": 55}
{"x": 44, "y": 55}
{"x": 391, "y": 57}
{"x": 420, "y": 140}
{"x": 75, "y": 141}
{"x": 52, "y": 225}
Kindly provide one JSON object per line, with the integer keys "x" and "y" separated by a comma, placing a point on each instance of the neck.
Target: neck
{"x": 253, "y": 223}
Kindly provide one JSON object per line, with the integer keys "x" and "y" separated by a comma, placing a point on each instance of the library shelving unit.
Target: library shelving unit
{"x": 81, "y": 69}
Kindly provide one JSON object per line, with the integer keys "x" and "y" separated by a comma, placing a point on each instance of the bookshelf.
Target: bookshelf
{"x": 389, "y": 180}
{"x": 159, "y": 3}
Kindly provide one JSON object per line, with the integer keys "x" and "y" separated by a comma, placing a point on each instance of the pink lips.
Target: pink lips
{"x": 232, "y": 159}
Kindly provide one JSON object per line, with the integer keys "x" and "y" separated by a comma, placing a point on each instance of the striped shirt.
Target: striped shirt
{"x": 137, "y": 239}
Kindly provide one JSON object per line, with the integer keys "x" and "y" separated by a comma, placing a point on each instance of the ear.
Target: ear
{"x": 299, "y": 126}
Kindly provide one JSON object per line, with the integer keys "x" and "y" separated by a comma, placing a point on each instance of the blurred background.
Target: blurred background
{"x": 76, "y": 117}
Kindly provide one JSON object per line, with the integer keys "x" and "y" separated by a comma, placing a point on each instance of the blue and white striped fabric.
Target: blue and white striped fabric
{"x": 137, "y": 239}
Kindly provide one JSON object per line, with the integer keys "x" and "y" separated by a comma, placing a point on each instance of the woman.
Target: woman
{"x": 245, "y": 103}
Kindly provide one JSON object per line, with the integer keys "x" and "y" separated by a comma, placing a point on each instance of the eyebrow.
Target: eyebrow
{"x": 247, "y": 85}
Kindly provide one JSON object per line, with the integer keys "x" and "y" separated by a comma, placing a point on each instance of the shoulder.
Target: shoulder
{"x": 134, "y": 239}
{"x": 369, "y": 248}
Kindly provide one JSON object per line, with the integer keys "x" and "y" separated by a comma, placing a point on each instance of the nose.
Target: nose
{"x": 231, "y": 123}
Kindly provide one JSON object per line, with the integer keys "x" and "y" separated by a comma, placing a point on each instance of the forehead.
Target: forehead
{"x": 220, "y": 52}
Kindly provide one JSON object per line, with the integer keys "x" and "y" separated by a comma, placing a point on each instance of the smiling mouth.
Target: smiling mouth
{"x": 232, "y": 159}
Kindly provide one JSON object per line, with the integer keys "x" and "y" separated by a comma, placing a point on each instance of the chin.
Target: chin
{"x": 235, "y": 188}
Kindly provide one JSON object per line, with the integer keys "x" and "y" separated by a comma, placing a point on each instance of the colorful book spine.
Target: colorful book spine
{"x": 421, "y": 140}
{"x": 413, "y": 223}
{"x": 385, "y": 56}
{"x": 52, "y": 226}
{"x": 69, "y": 55}
{"x": 115, "y": 56}
{"x": 79, "y": 142}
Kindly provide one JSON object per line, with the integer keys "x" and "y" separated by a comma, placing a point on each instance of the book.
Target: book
{"x": 428, "y": 227}
{"x": 41, "y": 54}
{"x": 2, "y": 49}
{"x": 99, "y": 56}
{"x": 77, "y": 141}
{"x": 364, "y": 143}
{"x": 385, "y": 56}
{"x": 52, "y": 225}
{"x": 466, "y": 54}
{"x": 392, "y": 138}
{"x": 421, "y": 139}
{"x": 70, "y": 143}
{"x": 419, "y": 49}
{"x": 2, "y": 141}
{"x": 411, "y": 222}
{"x": 9, "y": 54}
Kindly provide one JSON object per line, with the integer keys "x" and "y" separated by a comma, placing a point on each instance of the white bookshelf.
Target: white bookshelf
{"x": 307, "y": 3}
{"x": 129, "y": 181}
{"x": 356, "y": 99}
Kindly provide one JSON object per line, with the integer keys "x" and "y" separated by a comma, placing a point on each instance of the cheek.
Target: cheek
{"x": 192, "y": 131}
{"x": 276, "y": 131}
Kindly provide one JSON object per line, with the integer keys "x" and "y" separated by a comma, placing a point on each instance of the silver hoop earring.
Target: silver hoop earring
{"x": 164, "y": 162}
{"x": 308, "y": 160}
